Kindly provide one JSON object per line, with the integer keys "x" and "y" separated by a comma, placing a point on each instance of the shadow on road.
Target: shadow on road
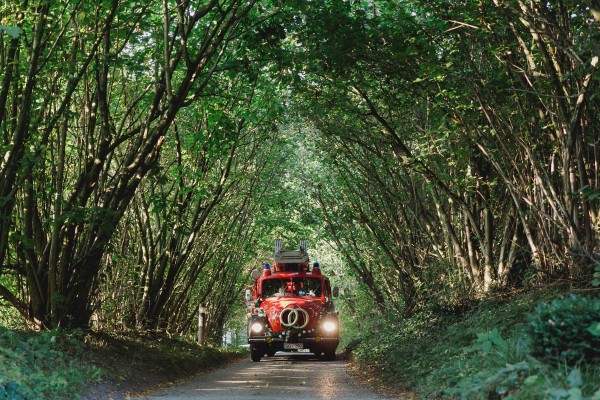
{"x": 300, "y": 376}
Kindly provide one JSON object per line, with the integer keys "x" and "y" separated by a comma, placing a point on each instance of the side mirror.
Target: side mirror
{"x": 255, "y": 274}
{"x": 248, "y": 295}
{"x": 336, "y": 291}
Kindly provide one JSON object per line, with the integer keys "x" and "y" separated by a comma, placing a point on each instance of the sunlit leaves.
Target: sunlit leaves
{"x": 12, "y": 31}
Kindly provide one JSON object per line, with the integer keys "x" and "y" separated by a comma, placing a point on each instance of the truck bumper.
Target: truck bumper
{"x": 316, "y": 345}
{"x": 278, "y": 340}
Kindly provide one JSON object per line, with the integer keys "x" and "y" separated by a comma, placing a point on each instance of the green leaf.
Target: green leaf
{"x": 533, "y": 380}
{"x": 12, "y": 31}
{"x": 594, "y": 329}
{"x": 575, "y": 394}
{"x": 574, "y": 379}
{"x": 596, "y": 276}
{"x": 486, "y": 346}
{"x": 557, "y": 393}
{"x": 497, "y": 340}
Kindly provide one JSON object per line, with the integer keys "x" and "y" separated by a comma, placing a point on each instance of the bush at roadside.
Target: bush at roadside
{"x": 484, "y": 352}
{"x": 566, "y": 329}
{"x": 42, "y": 365}
{"x": 506, "y": 369}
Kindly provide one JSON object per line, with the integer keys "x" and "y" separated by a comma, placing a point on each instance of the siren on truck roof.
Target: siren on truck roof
{"x": 316, "y": 270}
{"x": 266, "y": 270}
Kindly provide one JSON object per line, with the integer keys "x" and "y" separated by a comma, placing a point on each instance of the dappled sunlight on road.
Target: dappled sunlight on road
{"x": 283, "y": 376}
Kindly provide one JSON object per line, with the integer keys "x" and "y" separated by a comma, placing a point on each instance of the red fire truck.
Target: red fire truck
{"x": 291, "y": 308}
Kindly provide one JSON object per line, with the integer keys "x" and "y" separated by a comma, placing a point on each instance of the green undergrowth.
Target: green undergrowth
{"x": 72, "y": 365}
{"x": 140, "y": 361}
{"x": 488, "y": 350}
{"x": 43, "y": 365}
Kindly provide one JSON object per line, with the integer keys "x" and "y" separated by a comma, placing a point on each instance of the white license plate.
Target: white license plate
{"x": 293, "y": 346}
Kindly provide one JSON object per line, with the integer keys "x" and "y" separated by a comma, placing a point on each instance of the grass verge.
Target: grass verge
{"x": 135, "y": 364}
{"x": 59, "y": 365}
{"x": 478, "y": 352}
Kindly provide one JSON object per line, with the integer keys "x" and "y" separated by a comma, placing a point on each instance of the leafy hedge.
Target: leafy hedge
{"x": 566, "y": 329}
{"x": 42, "y": 365}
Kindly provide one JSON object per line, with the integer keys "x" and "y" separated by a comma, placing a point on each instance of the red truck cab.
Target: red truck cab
{"x": 291, "y": 308}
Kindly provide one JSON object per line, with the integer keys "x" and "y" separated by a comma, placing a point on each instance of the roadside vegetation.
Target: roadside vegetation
{"x": 69, "y": 365}
{"x": 538, "y": 344}
{"x": 45, "y": 365}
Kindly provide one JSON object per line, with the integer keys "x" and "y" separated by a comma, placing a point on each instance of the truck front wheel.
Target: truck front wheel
{"x": 329, "y": 354}
{"x": 256, "y": 353}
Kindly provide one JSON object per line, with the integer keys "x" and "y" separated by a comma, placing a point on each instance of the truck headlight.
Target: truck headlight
{"x": 256, "y": 327}
{"x": 330, "y": 326}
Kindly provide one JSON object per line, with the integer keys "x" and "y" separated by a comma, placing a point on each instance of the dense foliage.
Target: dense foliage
{"x": 73, "y": 365}
{"x": 460, "y": 140}
{"x": 453, "y": 353}
{"x": 130, "y": 129}
{"x": 566, "y": 329}
{"x": 45, "y": 366}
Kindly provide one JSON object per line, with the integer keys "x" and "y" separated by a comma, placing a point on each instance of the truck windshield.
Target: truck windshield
{"x": 292, "y": 287}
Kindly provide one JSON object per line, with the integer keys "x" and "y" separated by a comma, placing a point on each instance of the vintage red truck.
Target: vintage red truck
{"x": 291, "y": 308}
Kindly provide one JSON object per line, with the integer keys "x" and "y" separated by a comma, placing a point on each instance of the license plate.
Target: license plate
{"x": 293, "y": 346}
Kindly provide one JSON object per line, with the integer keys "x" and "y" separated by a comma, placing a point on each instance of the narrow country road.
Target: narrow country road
{"x": 297, "y": 377}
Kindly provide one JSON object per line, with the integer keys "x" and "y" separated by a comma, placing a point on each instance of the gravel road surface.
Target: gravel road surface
{"x": 298, "y": 377}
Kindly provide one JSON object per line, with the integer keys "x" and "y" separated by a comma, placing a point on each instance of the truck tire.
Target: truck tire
{"x": 256, "y": 353}
{"x": 329, "y": 354}
{"x": 255, "y": 356}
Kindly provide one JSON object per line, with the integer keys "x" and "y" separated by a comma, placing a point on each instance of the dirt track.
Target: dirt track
{"x": 297, "y": 377}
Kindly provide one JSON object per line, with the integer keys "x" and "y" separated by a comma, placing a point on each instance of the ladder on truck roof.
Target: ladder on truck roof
{"x": 291, "y": 261}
